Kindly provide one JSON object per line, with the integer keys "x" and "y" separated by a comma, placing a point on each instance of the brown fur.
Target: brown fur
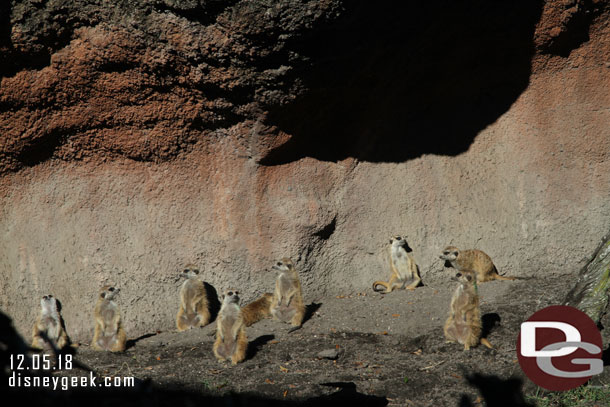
{"x": 287, "y": 304}
{"x": 231, "y": 340}
{"x": 464, "y": 323}
{"x": 257, "y": 309}
{"x": 48, "y": 332}
{"x": 194, "y": 310}
{"x": 109, "y": 334}
{"x": 402, "y": 266}
{"x": 474, "y": 260}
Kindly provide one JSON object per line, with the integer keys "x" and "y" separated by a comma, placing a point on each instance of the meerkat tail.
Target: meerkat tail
{"x": 486, "y": 343}
{"x": 499, "y": 277}
{"x": 381, "y": 283}
{"x": 295, "y": 328}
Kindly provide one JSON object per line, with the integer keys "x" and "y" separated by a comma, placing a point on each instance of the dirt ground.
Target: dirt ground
{"x": 391, "y": 352}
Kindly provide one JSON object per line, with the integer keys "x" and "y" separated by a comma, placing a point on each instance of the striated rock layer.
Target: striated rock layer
{"x": 140, "y": 137}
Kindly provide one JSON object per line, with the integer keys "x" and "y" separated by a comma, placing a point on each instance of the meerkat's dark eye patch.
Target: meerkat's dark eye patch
{"x": 111, "y": 289}
{"x": 469, "y": 278}
{"x": 196, "y": 271}
{"x": 398, "y": 238}
{"x": 455, "y": 253}
{"x": 230, "y": 293}
{"x": 446, "y": 253}
{"x": 458, "y": 275}
{"x": 185, "y": 270}
{"x": 279, "y": 263}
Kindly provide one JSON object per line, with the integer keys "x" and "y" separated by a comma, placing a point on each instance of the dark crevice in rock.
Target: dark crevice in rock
{"x": 326, "y": 232}
{"x": 43, "y": 149}
{"x": 389, "y": 82}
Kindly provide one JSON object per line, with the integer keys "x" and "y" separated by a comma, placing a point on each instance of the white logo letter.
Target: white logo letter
{"x": 528, "y": 338}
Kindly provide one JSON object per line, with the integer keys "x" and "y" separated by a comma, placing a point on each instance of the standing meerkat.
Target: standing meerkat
{"x": 231, "y": 341}
{"x": 403, "y": 268}
{"x": 257, "y": 309}
{"x": 287, "y": 303}
{"x": 194, "y": 309}
{"x": 49, "y": 332}
{"x": 464, "y": 323}
{"x": 473, "y": 260}
{"x": 109, "y": 333}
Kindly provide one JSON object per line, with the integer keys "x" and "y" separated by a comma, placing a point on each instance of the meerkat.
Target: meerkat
{"x": 287, "y": 303}
{"x": 194, "y": 310}
{"x": 231, "y": 341}
{"x": 49, "y": 332}
{"x": 109, "y": 333}
{"x": 474, "y": 260}
{"x": 402, "y": 266}
{"x": 464, "y": 323}
{"x": 257, "y": 309}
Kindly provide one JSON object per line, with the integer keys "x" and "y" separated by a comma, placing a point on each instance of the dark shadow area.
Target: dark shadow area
{"x": 346, "y": 396}
{"x": 606, "y": 356}
{"x": 496, "y": 392}
{"x": 310, "y": 310}
{"x": 255, "y": 345}
{"x": 489, "y": 321}
{"x": 391, "y": 81}
{"x": 326, "y": 232}
{"x": 132, "y": 342}
{"x": 213, "y": 301}
{"x": 144, "y": 392}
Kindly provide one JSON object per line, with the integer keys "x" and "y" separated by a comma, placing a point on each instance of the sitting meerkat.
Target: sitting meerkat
{"x": 48, "y": 332}
{"x": 473, "y": 260}
{"x": 464, "y": 323}
{"x": 231, "y": 341}
{"x": 194, "y": 310}
{"x": 287, "y": 303}
{"x": 402, "y": 266}
{"x": 257, "y": 309}
{"x": 109, "y": 333}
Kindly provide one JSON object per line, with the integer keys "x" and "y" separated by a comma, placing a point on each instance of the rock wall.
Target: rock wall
{"x": 140, "y": 137}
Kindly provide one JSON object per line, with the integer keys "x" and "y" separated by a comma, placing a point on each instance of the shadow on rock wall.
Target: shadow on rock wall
{"x": 391, "y": 81}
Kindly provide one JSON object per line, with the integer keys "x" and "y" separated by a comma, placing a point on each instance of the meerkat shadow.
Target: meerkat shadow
{"x": 310, "y": 310}
{"x": 496, "y": 392}
{"x": 213, "y": 301}
{"x": 255, "y": 345}
{"x": 130, "y": 343}
{"x": 489, "y": 321}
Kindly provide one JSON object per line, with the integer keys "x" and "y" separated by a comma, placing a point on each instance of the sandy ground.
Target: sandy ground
{"x": 391, "y": 352}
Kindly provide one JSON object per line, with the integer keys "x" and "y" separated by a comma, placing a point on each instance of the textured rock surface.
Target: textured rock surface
{"x": 137, "y": 138}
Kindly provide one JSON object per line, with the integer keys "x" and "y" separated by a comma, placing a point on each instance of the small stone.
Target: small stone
{"x": 331, "y": 354}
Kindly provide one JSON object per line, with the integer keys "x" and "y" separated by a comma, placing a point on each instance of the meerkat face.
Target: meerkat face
{"x": 190, "y": 271}
{"x": 283, "y": 265}
{"x": 48, "y": 303}
{"x": 231, "y": 297}
{"x": 464, "y": 277}
{"x": 108, "y": 292}
{"x": 398, "y": 241}
{"x": 450, "y": 253}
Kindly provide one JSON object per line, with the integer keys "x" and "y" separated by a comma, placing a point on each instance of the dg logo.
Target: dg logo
{"x": 560, "y": 348}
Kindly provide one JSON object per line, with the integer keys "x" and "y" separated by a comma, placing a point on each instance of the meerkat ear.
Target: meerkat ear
{"x": 103, "y": 295}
